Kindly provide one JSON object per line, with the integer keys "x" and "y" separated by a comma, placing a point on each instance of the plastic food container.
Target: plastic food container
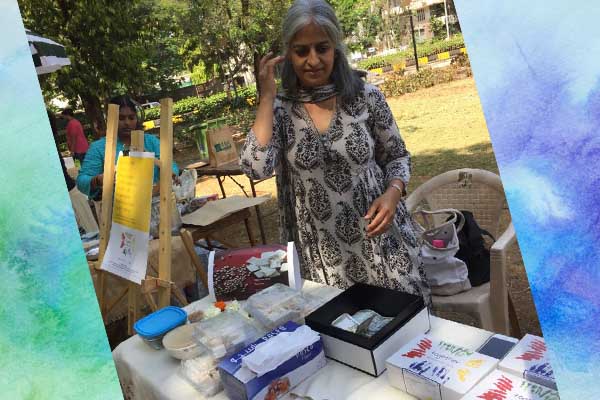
{"x": 202, "y": 373}
{"x": 180, "y": 344}
{"x": 276, "y": 305}
{"x": 226, "y": 333}
{"x": 153, "y": 327}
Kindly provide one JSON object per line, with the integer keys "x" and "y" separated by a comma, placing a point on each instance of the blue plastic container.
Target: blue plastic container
{"x": 153, "y": 327}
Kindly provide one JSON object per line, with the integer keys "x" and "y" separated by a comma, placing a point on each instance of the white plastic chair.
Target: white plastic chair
{"x": 480, "y": 192}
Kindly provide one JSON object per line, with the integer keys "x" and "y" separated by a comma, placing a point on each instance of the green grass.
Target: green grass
{"x": 444, "y": 129}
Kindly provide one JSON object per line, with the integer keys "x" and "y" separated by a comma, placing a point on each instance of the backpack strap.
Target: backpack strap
{"x": 453, "y": 213}
{"x": 484, "y": 232}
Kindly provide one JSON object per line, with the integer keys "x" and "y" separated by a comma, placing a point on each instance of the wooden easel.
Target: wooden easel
{"x": 162, "y": 284}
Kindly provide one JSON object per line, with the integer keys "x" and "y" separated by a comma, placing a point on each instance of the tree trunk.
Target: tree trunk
{"x": 93, "y": 110}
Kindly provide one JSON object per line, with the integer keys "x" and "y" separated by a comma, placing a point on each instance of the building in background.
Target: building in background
{"x": 395, "y": 16}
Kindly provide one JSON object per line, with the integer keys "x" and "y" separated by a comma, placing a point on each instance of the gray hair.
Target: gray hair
{"x": 319, "y": 12}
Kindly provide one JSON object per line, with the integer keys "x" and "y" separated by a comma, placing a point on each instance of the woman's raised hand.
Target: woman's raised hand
{"x": 266, "y": 75}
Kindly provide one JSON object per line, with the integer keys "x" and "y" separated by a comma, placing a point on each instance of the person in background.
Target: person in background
{"x": 76, "y": 140}
{"x": 68, "y": 180}
{"x": 342, "y": 166}
{"x": 83, "y": 213}
{"x": 90, "y": 178}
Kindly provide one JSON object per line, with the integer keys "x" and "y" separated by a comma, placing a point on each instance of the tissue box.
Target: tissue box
{"x": 240, "y": 383}
{"x": 505, "y": 386}
{"x": 529, "y": 359}
{"x": 368, "y": 354}
{"x": 434, "y": 369}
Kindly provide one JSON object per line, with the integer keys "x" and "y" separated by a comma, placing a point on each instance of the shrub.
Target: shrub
{"x": 238, "y": 112}
{"x": 423, "y": 49}
{"x": 461, "y": 60}
{"x": 209, "y": 107}
{"x": 397, "y": 84}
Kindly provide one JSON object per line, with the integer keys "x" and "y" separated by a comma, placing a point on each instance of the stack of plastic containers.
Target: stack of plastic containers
{"x": 278, "y": 304}
{"x": 155, "y": 326}
{"x": 201, "y": 372}
{"x": 225, "y": 334}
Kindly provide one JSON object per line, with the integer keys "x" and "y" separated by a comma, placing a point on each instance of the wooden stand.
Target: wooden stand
{"x": 162, "y": 283}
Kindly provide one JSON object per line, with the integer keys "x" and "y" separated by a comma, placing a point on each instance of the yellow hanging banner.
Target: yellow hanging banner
{"x": 133, "y": 192}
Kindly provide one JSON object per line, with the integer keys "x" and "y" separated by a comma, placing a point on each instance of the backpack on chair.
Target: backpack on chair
{"x": 446, "y": 274}
{"x": 472, "y": 250}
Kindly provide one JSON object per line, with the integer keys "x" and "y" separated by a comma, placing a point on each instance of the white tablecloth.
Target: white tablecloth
{"x": 154, "y": 375}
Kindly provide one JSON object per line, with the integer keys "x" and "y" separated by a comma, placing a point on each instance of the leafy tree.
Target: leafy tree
{"x": 230, "y": 36}
{"x": 360, "y": 20}
{"x": 438, "y": 28}
{"x": 200, "y": 75}
{"x": 113, "y": 47}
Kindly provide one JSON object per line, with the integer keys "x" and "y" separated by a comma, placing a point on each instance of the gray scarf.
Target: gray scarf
{"x": 311, "y": 95}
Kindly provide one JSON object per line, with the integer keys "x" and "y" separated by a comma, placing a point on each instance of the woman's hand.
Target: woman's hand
{"x": 263, "y": 124}
{"x": 382, "y": 211}
{"x": 97, "y": 181}
{"x": 266, "y": 75}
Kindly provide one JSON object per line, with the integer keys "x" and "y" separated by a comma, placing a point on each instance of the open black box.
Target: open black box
{"x": 411, "y": 318}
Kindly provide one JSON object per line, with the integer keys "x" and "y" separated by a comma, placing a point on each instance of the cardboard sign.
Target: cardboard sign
{"x": 219, "y": 209}
{"x": 127, "y": 251}
{"x": 221, "y": 146}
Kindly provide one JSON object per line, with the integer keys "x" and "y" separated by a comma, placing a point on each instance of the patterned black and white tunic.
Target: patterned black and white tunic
{"x": 327, "y": 182}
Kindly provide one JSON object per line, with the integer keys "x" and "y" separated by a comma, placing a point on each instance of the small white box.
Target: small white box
{"x": 502, "y": 385}
{"x": 434, "y": 369}
{"x": 529, "y": 359}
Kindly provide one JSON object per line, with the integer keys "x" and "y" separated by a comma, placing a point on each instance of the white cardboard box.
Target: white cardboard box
{"x": 503, "y": 385}
{"x": 373, "y": 361}
{"x": 434, "y": 369}
{"x": 529, "y": 359}
{"x": 368, "y": 354}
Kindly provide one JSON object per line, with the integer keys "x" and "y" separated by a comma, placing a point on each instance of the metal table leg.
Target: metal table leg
{"x": 249, "y": 231}
{"x": 258, "y": 214}
{"x": 221, "y": 185}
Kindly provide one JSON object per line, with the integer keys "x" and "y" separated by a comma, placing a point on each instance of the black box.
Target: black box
{"x": 411, "y": 318}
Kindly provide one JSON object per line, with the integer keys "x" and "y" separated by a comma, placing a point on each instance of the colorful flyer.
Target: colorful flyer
{"x": 127, "y": 251}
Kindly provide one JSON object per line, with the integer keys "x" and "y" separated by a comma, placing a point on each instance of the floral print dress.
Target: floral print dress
{"x": 327, "y": 182}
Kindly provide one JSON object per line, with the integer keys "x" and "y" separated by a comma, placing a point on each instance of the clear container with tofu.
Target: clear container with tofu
{"x": 202, "y": 373}
{"x": 276, "y": 305}
{"x": 226, "y": 333}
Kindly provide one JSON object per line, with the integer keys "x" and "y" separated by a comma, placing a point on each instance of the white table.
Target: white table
{"x": 154, "y": 375}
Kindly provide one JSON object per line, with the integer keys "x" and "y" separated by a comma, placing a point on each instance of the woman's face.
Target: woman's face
{"x": 127, "y": 121}
{"x": 312, "y": 55}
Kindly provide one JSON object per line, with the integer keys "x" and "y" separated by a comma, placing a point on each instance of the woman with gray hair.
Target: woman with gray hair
{"x": 342, "y": 167}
